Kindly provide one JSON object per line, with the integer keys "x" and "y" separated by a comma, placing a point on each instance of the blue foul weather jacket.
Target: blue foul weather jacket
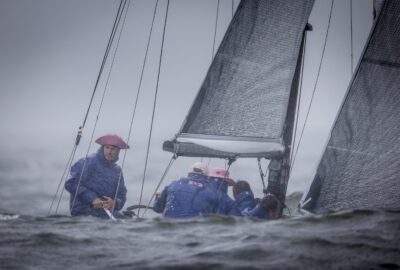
{"x": 191, "y": 197}
{"x": 187, "y": 197}
{"x": 249, "y": 206}
{"x": 226, "y": 206}
{"x": 99, "y": 178}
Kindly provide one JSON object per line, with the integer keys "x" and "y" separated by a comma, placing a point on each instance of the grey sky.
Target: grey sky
{"x": 51, "y": 50}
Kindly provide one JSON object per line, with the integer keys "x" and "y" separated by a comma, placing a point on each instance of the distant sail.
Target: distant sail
{"x": 242, "y": 104}
{"x": 361, "y": 164}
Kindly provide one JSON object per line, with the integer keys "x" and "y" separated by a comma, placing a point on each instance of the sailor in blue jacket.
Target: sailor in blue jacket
{"x": 219, "y": 177}
{"x": 243, "y": 195}
{"x": 267, "y": 208}
{"x": 93, "y": 189}
{"x": 190, "y": 196}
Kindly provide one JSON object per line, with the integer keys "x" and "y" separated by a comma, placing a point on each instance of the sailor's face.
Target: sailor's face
{"x": 110, "y": 152}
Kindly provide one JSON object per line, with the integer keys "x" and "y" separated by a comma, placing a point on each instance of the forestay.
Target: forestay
{"x": 361, "y": 166}
{"x": 241, "y": 106}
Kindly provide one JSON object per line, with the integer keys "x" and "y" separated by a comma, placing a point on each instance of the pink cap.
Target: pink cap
{"x": 223, "y": 174}
{"x": 199, "y": 167}
{"x": 112, "y": 139}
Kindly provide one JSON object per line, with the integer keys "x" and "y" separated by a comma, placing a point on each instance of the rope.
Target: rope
{"x": 102, "y": 98}
{"x": 173, "y": 158}
{"x": 316, "y": 82}
{"x": 154, "y": 105}
{"x": 137, "y": 98}
{"x": 78, "y": 137}
{"x": 215, "y": 30}
{"x": 261, "y": 172}
{"x": 69, "y": 171}
{"x": 110, "y": 41}
{"x": 68, "y": 165}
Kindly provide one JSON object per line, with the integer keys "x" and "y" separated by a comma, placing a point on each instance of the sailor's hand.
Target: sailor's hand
{"x": 108, "y": 203}
{"x": 97, "y": 203}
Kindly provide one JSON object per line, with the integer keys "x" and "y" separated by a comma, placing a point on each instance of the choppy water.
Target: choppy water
{"x": 359, "y": 239}
{"x": 29, "y": 239}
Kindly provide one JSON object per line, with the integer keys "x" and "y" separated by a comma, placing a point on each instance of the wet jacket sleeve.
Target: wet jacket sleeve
{"x": 72, "y": 184}
{"x": 256, "y": 212}
{"x": 161, "y": 200}
{"x": 121, "y": 196}
{"x": 227, "y": 206}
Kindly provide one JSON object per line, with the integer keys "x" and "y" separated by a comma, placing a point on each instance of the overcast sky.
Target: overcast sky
{"x": 51, "y": 51}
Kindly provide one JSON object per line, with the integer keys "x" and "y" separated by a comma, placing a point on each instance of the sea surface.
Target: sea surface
{"x": 30, "y": 238}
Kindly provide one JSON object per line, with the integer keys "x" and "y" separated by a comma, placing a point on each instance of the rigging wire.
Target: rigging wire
{"x": 215, "y": 30}
{"x": 212, "y": 57}
{"x": 104, "y": 91}
{"x": 68, "y": 165}
{"x": 351, "y": 36}
{"x": 316, "y": 82}
{"x": 110, "y": 41}
{"x": 137, "y": 98}
{"x": 154, "y": 105}
{"x": 261, "y": 172}
{"x": 173, "y": 158}
{"x": 78, "y": 137}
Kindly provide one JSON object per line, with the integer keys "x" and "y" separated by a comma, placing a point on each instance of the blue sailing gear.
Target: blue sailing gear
{"x": 99, "y": 178}
{"x": 219, "y": 184}
{"x": 187, "y": 197}
{"x": 249, "y": 206}
{"x": 226, "y": 206}
{"x": 193, "y": 196}
{"x": 256, "y": 212}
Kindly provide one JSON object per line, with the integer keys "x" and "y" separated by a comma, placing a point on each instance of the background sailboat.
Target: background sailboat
{"x": 360, "y": 168}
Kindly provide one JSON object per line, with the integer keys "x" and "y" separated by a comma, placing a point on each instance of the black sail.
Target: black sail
{"x": 241, "y": 107}
{"x": 360, "y": 167}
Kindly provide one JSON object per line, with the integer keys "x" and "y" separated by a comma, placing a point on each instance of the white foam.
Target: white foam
{"x": 8, "y": 217}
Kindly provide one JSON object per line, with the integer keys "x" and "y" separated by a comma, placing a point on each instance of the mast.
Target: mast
{"x": 279, "y": 168}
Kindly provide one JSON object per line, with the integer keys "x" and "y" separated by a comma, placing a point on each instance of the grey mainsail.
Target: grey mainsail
{"x": 242, "y": 105}
{"x": 360, "y": 167}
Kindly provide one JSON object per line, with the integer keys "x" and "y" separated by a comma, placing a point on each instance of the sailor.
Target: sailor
{"x": 243, "y": 195}
{"x": 94, "y": 188}
{"x": 219, "y": 177}
{"x": 268, "y": 207}
{"x": 189, "y": 196}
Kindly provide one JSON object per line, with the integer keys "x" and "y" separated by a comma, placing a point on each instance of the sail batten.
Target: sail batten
{"x": 244, "y": 97}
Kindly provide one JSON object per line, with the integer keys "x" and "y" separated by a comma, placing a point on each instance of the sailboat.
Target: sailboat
{"x": 360, "y": 166}
{"x": 247, "y": 104}
{"x": 246, "y": 107}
